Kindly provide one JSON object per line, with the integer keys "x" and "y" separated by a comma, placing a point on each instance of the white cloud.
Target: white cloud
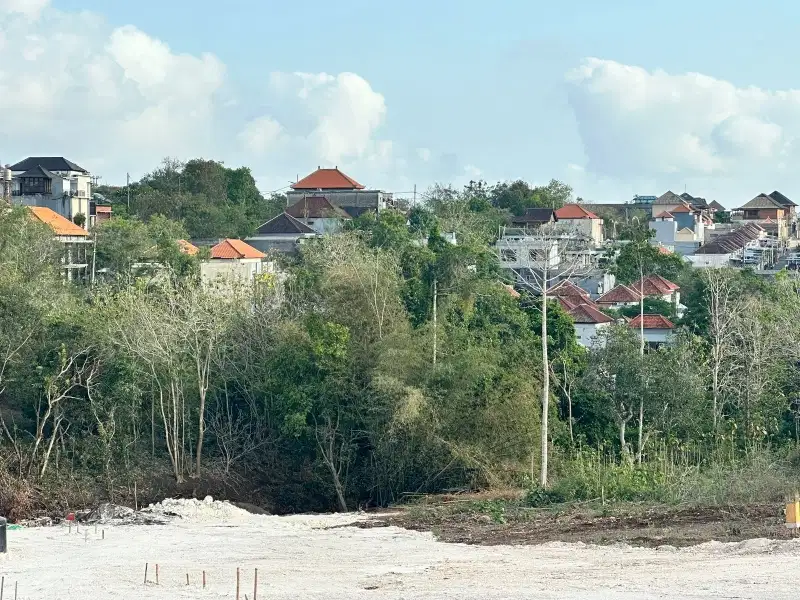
{"x": 261, "y": 135}
{"x": 30, "y": 8}
{"x": 343, "y": 111}
{"x": 639, "y": 123}
{"x": 72, "y": 85}
{"x": 117, "y": 100}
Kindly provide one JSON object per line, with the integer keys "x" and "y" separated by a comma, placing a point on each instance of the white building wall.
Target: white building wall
{"x": 712, "y": 261}
{"x": 586, "y": 333}
{"x": 657, "y": 336}
{"x": 223, "y": 272}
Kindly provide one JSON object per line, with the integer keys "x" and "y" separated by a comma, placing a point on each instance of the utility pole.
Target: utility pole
{"x": 415, "y": 196}
{"x": 128, "y": 187}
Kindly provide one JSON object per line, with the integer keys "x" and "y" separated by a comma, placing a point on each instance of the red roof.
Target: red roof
{"x": 665, "y": 215}
{"x": 662, "y": 250}
{"x": 655, "y": 285}
{"x": 59, "y": 225}
{"x": 575, "y": 211}
{"x": 586, "y": 313}
{"x": 327, "y": 179}
{"x": 651, "y": 322}
{"x": 187, "y": 247}
{"x": 230, "y": 248}
{"x": 567, "y": 288}
{"x": 568, "y": 303}
{"x": 103, "y": 209}
{"x": 681, "y": 209}
{"x": 511, "y": 291}
{"x": 621, "y": 293}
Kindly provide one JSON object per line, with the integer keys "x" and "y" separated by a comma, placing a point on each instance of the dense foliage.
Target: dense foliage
{"x": 212, "y": 200}
{"x": 388, "y": 362}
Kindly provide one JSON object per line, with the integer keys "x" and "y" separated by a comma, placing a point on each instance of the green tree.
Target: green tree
{"x": 637, "y": 258}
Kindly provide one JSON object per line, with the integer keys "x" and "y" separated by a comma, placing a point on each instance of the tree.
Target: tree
{"x": 517, "y": 196}
{"x": 121, "y": 244}
{"x": 617, "y": 379}
{"x": 540, "y": 261}
{"x": 640, "y": 257}
{"x": 724, "y": 308}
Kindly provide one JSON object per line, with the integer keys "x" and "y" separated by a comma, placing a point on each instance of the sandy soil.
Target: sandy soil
{"x": 324, "y": 557}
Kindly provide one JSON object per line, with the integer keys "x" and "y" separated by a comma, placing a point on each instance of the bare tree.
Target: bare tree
{"x": 539, "y": 258}
{"x": 724, "y": 304}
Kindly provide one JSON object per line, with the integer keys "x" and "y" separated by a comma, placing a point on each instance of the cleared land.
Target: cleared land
{"x": 326, "y": 557}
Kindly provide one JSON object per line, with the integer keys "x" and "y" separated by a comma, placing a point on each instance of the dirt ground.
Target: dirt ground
{"x": 493, "y": 522}
{"x": 329, "y": 557}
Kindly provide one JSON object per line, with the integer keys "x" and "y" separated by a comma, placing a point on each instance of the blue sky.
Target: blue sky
{"x": 628, "y": 98}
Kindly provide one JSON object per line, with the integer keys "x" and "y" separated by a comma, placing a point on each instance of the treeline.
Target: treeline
{"x": 208, "y": 198}
{"x": 387, "y": 363}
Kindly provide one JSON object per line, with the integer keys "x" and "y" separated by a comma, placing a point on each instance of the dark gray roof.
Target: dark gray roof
{"x": 37, "y": 171}
{"x": 716, "y": 206}
{"x": 669, "y": 197}
{"x": 51, "y": 163}
{"x": 536, "y": 215}
{"x": 316, "y": 207}
{"x": 732, "y": 241}
{"x": 695, "y": 201}
{"x": 283, "y": 224}
{"x": 761, "y": 201}
{"x": 781, "y": 199}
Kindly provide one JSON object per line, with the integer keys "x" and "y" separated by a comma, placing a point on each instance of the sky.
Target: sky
{"x": 615, "y": 98}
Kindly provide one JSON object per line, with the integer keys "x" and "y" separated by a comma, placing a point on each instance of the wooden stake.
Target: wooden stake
{"x": 156, "y": 573}
{"x": 237, "y": 583}
{"x": 70, "y": 526}
{"x": 255, "y": 586}
{"x": 145, "y": 573}
{"x": 187, "y": 579}
{"x": 204, "y": 582}
{"x": 86, "y": 537}
{"x": 2, "y": 585}
{"x": 104, "y": 534}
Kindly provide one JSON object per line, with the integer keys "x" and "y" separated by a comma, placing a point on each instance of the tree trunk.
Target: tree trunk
{"x": 435, "y": 322}
{"x": 545, "y": 386}
{"x": 640, "y": 446}
{"x": 201, "y": 430}
{"x": 641, "y": 354}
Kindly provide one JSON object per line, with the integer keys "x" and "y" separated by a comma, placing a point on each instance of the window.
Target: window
{"x": 508, "y": 255}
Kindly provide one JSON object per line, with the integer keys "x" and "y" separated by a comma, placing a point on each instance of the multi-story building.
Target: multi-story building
{"x": 341, "y": 190}
{"x": 56, "y": 183}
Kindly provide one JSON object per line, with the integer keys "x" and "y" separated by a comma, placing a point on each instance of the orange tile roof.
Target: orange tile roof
{"x": 187, "y": 247}
{"x": 575, "y": 211}
{"x": 586, "y": 313}
{"x": 651, "y": 322}
{"x": 665, "y": 215}
{"x": 621, "y": 293}
{"x": 230, "y": 248}
{"x": 60, "y": 225}
{"x": 681, "y": 209}
{"x": 511, "y": 291}
{"x": 327, "y": 179}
